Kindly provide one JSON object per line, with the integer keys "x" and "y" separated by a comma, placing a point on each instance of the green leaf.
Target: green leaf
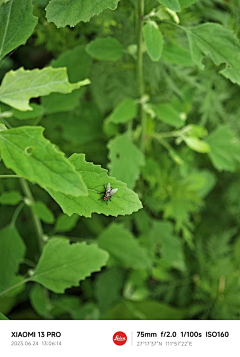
{"x": 19, "y": 86}
{"x": 30, "y": 155}
{"x": 3, "y": 317}
{"x": 39, "y": 300}
{"x": 66, "y": 223}
{"x": 171, "y": 246}
{"x": 186, "y": 3}
{"x": 197, "y": 145}
{"x": 225, "y": 149}
{"x": 71, "y": 12}
{"x": 124, "y": 111}
{"x": 108, "y": 286}
{"x": 171, "y": 4}
{"x": 122, "y": 245}
{"x": 11, "y": 198}
{"x": 145, "y": 310}
{"x": 63, "y": 265}
{"x": 12, "y": 252}
{"x": 124, "y": 202}
{"x": 220, "y": 44}
{"x": 78, "y": 64}
{"x": 168, "y": 114}
{"x": 153, "y": 40}
{"x": 43, "y": 212}
{"x": 126, "y": 160}
{"x": 173, "y": 53}
{"x": 37, "y": 111}
{"x": 16, "y": 24}
{"x": 105, "y": 49}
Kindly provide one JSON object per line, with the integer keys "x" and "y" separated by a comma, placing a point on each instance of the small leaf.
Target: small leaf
{"x": 3, "y": 317}
{"x": 11, "y": 198}
{"x": 124, "y": 111}
{"x": 154, "y": 40}
{"x": 173, "y": 53}
{"x": 171, "y": 4}
{"x": 62, "y": 265}
{"x": 12, "y": 252}
{"x": 36, "y": 111}
{"x": 197, "y": 144}
{"x": 43, "y": 212}
{"x": 66, "y": 223}
{"x": 30, "y": 155}
{"x": 186, "y": 3}
{"x": 168, "y": 114}
{"x": 225, "y": 149}
{"x": 124, "y": 202}
{"x": 121, "y": 245}
{"x": 105, "y": 49}
{"x": 126, "y": 159}
{"x": 16, "y": 24}
{"x": 19, "y": 86}
{"x": 39, "y": 300}
{"x": 71, "y": 12}
{"x": 220, "y": 44}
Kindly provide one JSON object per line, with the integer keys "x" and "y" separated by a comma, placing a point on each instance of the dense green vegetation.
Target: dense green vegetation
{"x": 140, "y": 94}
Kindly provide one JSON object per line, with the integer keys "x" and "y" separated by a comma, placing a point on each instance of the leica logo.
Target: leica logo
{"x": 119, "y": 338}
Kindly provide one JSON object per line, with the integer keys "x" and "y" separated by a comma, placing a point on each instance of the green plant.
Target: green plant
{"x": 148, "y": 89}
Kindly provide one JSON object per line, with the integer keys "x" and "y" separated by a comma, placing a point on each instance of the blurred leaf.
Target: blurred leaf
{"x": 62, "y": 265}
{"x": 121, "y": 244}
{"x": 220, "y": 44}
{"x": 43, "y": 212}
{"x": 36, "y": 111}
{"x": 153, "y": 40}
{"x": 66, "y": 223}
{"x": 12, "y": 252}
{"x": 78, "y": 64}
{"x": 30, "y": 155}
{"x": 197, "y": 144}
{"x": 123, "y": 202}
{"x": 108, "y": 286}
{"x": 225, "y": 149}
{"x": 3, "y": 317}
{"x": 10, "y": 198}
{"x": 124, "y": 111}
{"x": 105, "y": 49}
{"x": 16, "y": 24}
{"x": 186, "y": 3}
{"x": 166, "y": 113}
{"x": 19, "y": 86}
{"x": 145, "y": 310}
{"x": 173, "y": 53}
{"x": 77, "y": 10}
{"x": 171, "y": 4}
{"x": 38, "y": 299}
{"x": 126, "y": 159}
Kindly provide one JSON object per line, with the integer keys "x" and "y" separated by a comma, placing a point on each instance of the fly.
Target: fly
{"x": 108, "y": 193}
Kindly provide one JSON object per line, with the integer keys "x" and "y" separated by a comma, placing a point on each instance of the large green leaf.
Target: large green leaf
{"x": 220, "y": 44}
{"x": 16, "y": 24}
{"x": 78, "y": 64}
{"x": 153, "y": 40}
{"x": 186, "y": 3}
{"x": 122, "y": 246}
{"x": 71, "y": 12}
{"x": 171, "y": 4}
{"x": 126, "y": 159}
{"x": 30, "y": 155}
{"x": 63, "y": 265}
{"x": 19, "y": 86}
{"x": 105, "y": 49}
{"x": 125, "y": 201}
{"x": 12, "y": 252}
{"x": 225, "y": 149}
{"x": 176, "y": 54}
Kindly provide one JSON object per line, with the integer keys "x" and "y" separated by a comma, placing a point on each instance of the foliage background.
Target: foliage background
{"x": 175, "y": 142}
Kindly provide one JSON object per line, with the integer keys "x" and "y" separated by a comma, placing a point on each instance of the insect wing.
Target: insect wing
{"x": 108, "y": 187}
{"x": 113, "y": 191}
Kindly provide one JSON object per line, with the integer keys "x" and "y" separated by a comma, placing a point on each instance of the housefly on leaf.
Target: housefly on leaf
{"x": 108, "y": 193}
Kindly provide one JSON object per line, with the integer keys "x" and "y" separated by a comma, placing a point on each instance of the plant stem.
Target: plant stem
{"x": 36, "y": 221}
{"x": 140, "y": 78}
{"x": 14, "y": 286}
{"x": 16, "y": 213}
